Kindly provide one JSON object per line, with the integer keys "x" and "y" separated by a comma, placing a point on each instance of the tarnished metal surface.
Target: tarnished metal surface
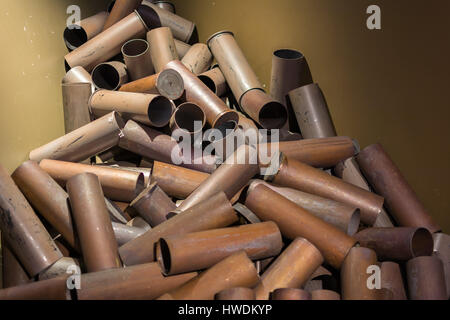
{"x": 184, "y": 118}
{"x": 215, "y": 212}
{"x": 182, "y": 48}
{"x": 200, "y": 250}
{"x": 291, "y": 269}
{"x": 391, "y": 279}
{"x": 76, "y": 105}
{"x": 81, "y": 31}
{"x": 295, "y": 221}
{"x": 136, "y": 54}
{"x": 426, "y": 279}
{"x": 120, "y": 10}
{"x": 13, "y": 273}
{"x": 124, "y": 233}
{"x": 290, "y": 294}
{"x": 78, "y": 75}
{"x": 198, "y": 59}
{"x": 215, "y": 81}
{"x": 235, "y": 294}
{"x": 166, "y": 5}
{"x": 162, "y": 47}
{"x": 110, "y": 75}
{"x": 325, "y": 295}
{"x": 442, "y": 251}
{"x": 59, "y": 268}
{"x": 52, "y": 289}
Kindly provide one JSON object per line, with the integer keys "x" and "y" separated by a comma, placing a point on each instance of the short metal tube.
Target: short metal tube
{"x": 124, "y": 233}
{"x": 162, "y": 47}
{"x": 109, "y": 75}
{"x": 198, "y": 59}
{"x": 52, "y": 289}
{"x": 235, "y": 294}
{"x": 77, "y": 34}
{"x": 442, "y": 251}
{"x": 93, "y": 224}
{"x": 215, "y": 81}
{"x": 182, "y": 48}
{"x": 138, "y": 60}
{"x": 78, "y": 75}
{"x": 13, "y": 273}
{"x": 426, "y": 280}
{"x": 120, "y": 10}
{"x": 185, "y": 116}
{"x": 75, "y": 104}
{"x": 391, "y": 279}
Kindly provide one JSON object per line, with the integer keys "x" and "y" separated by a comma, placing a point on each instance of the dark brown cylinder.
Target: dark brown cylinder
{"x": 387, "y": 180}
{"x": 136, "y": 54}
{"x": 442, "y": 251}
{"x": 290, "y": 294}
{"x": 391, "y": 279}
{"x": 398, "y": 244}
{"x": 52, "y": 289}
{"x": 295, "y": 221}
{"x": 13, "y": 273}
{"x": 235, "y": 294}
{"x": 327, "y": 295}
{"x": 426, "y": 280}
{"x": 200, "y": 250}
{"x": 189, "y": 118}
{"x": 76, "y": 105}
{"x": 97, "y": 240}
{"x": 23, "y": 231}
{"x": 215, "y": 212}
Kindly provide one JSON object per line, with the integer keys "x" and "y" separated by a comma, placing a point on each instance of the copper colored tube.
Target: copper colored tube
{"x": 182, "y": 48}
{"x": 138, "y": 222}
{"x": 348, "y": 170}
{"x": 391, "y": 279}
{"x": 124, "y": 233}
{"x": 106, "y": 44}
{"x": 77, "y": 34}
{"x": 387, "y": 180}
{"x": 342, "y": 216}
{"x": 52, "y": 289}
{"x": 116, "y": 212}
{"x": 290, "y": 294}
{"x": 289, "y": 71}
{"x": 442, "y": 251}
{"x": 398, "y": 244}
{"x": 119, "y": 185}
{"x": 109, "y": 75}
{"x": 198, "y": 59}
{"x": 216, "y": 212}
{"x": 162, "y": 47}
{"x": 98, "y": 244}
{"x": 149, "y": 109}
{"x": 197, "y": 92}
{"x": 215, "y": 81}
{"x": 426, "y": 280}
{"x": 291, "y": 269}
{"x": 177, "y": 181}
{"x": 75, "y": 103}
{"x": 327, "y": 295}
{"x": 354, "y": 276}
{"x": 236, "y": 270}
{"x": 145, "y": 171}
{"x": 155, "y": 17}
{"x": 23, "y": 231}
{"x": 82, "y": 143}
{"x": 141, "y": 282}
{"x": 153, "y": 205}
{"x": 312, "y": 112}
{"x": 47, "y": 197}
{"x": 295, "y": 221}
{"x": 230, "y": 177}
{"x": 13, "y": 273}
{"x": 120, "y": 10}
{"x": 166, "y": 5}
{"x": 200, "y": 250}
{"x": 235, "y": 294}
{"x": 186, "y": 117}
{"x": 154, "y": 145}
{"x": 78, "y": 75}
{"x": 138, "y": 60}
{"x": 297, "y": 175}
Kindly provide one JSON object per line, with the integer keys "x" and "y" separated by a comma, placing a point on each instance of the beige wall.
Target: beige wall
{"x": 387, "y": 86}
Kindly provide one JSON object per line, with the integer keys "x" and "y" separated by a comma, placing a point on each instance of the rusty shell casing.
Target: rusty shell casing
{"x": 23, "y": 231}
{"x": 154, "y": 17}
{"x": 236, "y": 294}
{"x": 149, "y": 109}
{"x": 177, "y": 181}
{"x": 162, "y": 47}
{"x": 52, "y": 289}
{"x": 295, "y": 221}
{"x": 124, "y": 233}
{"x": 198, "y": 59}
{"x": 182, "y": 48}
{"x": 78, "y": 75}
{"x": 154, "y": 145}
{"x": 230, "y": 177}
{"x": 136, "y": 54}
{"x": 47, "y": 197}
{"x": 426, "y": 279}
{"x": 300, "y": 176}
{"x": 13, "y": 273}
{"x": 79, "y": 33}
{"x": 120, "y": 10}
{"x": 290, "y": 294}
{"x": 93, "y": 224}
{"x": 200, "y": 250}
{"x": 141, "y": 282}
{"x": 397, "y": 244}
{"x": 197, "y": 92}
{"x": 215, "y": 212}
{"x": 119, "y": 185}
{"x": 153, "y": 204}
{"x": 106, "y": 44}
{"x": 442, "y": 251}
{"x": 354, "y": 276}
{"x": 391, "y": 279}
{"x": 290, "y": 70}
{"x": 184, "y": 119}
{"x": 82, "y": 143}
{"x": 237, "y": 270}
{"x": 311, "y": 111}
{"x": 166, "y": 5}
{"x": 76, "y": 105}
{"x": 291, "y": 269}
{"x": 109, "y": 75}
{"x": 348, "y": 170}
{"x": 342, "y": 216}
{"x": 387, "y": 180}
{"x": 326, "y": 295}
{"x": 215, "y": 81}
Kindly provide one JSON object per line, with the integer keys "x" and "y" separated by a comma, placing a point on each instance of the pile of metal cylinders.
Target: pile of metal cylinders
{"x": 180, "y": 177}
